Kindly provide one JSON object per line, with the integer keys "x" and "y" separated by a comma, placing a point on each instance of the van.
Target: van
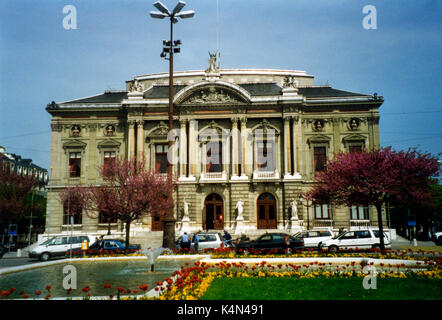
{"x": 57, "y": 246}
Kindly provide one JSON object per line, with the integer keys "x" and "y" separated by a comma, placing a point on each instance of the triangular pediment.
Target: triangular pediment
{"x": 354, "y": 137}
{"x": 109, "y": 143}
{"x": 74, "y": 144}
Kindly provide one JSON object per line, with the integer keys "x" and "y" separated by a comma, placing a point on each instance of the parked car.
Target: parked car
{"x": 271, "y": 242}
{"x": 3, "y": 250}
{"x": 313, "y": 238}
{"x": 112, "y": 245}
{"x": 352, "y": 239}
{"x": 436, "y": 237}
{"x": 57, "y": 247}
{"x": 207, "y": 240}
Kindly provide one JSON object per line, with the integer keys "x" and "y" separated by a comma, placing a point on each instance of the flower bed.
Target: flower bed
{"x": 192, "y": 282}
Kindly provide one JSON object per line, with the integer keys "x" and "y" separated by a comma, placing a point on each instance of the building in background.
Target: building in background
{"x": 24, "y": 167}
{"x": 247, "y": 143}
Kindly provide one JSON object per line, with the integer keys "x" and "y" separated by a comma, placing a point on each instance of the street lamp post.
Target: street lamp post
{"x": 170, "y": 47}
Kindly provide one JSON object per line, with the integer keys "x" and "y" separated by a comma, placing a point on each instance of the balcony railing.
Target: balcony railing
{"x": 213, "y": 176}
{"x": 265, "y": 175}
{"x": 322, "y": 223}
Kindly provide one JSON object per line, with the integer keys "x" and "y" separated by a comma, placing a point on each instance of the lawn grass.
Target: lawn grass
{"x": 323, "y": 289}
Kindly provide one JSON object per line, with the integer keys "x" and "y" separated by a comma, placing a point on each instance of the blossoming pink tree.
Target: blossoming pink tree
{"x": 128, "y": 192}
{"x": 373, "y": 177}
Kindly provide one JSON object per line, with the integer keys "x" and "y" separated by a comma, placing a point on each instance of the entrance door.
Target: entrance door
{"x": 157, "y": 223}
{"x": 213, "y": 212}
{"x": 266, "y": 206}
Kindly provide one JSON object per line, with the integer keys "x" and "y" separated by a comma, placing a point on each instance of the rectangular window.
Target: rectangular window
{"x": 103, "y": 217}
{"x": 214, "y": 156}
{"x": 320, "y": 158}
{"x": 161, "y": 162}
{"x": 109, "y": 160}
{"x": 71, "y": 210}
{"x": 74, "y": 164}
{"x": 265, "y": 156}
{"x": 322, "y": 211}
{"x": 359, "y": 213}
{"x": 109, "y": 157}
{"x": 356, "y": 148}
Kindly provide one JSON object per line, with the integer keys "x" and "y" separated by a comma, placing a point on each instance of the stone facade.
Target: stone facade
{"x": 250, "y": 135}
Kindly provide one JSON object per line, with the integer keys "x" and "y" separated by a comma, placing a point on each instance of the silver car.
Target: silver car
{"x": 207, "y": 240}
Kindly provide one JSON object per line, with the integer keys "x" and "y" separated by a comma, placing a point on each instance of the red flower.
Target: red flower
{"x": 107, "y": 285}
{"x": 47, "y": 296}
{"x": 135, "y": 291}
{"x": 4, "y": 293}
{"x": 85, "y": 289}
{"x": 26, "y": 296}
{"x": 48, "y": 288}
{"x": 144, "y": 287}
{"x": 38, "y": 292}
{"x": 111, "y": 296}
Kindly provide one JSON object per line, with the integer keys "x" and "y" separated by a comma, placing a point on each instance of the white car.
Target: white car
{"x": 313, "y": 238}
{"x": 437, "y": 237}
{"x": 361, "y": 239}
{"x": 57, "y": 247}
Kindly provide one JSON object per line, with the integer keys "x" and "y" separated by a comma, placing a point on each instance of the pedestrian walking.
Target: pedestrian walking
{"x": 196, "y": 240}
{"x": 185, "y": 243}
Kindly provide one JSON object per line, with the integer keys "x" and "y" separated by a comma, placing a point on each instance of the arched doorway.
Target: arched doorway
{"x": 266, "y": 211}
{"x": 213, "y": 212}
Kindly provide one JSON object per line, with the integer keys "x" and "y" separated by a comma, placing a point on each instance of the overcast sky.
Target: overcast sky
{"x": 115, "y": 40}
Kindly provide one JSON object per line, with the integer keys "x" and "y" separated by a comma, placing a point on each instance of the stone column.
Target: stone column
{"x": 234, "y": 146}
{"x": 295, "y": 147}
{"x": 183, "y": 148}
{"x": 140, "y": 139}
{"x": 243, "y": 145}
{"x": 287, "y": 147}
{"x": 192, "y": 141}
{"x": 131, "y": 140}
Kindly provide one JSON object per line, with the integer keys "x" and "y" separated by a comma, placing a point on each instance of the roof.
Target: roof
{"x": 157, "y": 92}
{"x": 326, "y": 91}
{"x": 254, "y": 89}
{"x": 106, "y": 97}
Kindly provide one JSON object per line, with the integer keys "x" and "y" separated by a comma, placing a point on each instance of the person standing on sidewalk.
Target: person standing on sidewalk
{"x": 185, "y": 243}
{"x": 196, "y": 240}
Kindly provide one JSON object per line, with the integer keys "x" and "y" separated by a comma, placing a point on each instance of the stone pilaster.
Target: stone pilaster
{"x": 55, "y": 165}
{"x": 140, "y": 139}
{"x": 131, "y": 140}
